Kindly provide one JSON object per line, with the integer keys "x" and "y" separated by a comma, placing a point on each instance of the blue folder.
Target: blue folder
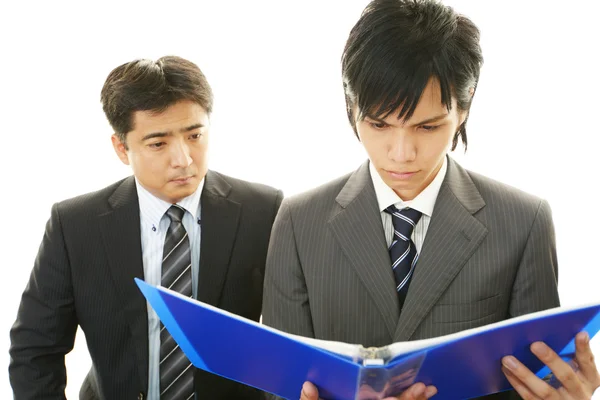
{"x": 461, "y": 366}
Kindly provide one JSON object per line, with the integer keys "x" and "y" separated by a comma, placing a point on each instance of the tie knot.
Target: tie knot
{"x": 404, "y": 221}
{"x": 175, "y": 213}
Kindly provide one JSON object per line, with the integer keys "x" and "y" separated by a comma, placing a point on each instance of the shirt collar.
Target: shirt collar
{"x": 152, "y": 209}
{"x": 424, "y": 202}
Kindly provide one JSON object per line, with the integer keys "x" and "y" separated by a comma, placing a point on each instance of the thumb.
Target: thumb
{"x": 415, "y": 392}
{"x": 309, "y": 392}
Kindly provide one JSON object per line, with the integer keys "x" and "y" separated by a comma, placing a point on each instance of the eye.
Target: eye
{"x": 378, "y": 125}
{"x": 195, "y": 136}
{"x": 429, "y": 128}
{"x": 156, "y": 145}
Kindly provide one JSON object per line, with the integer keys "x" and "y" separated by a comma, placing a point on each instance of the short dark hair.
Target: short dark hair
{"x": 147, "y": 85}
{"x": 397, "y": 46}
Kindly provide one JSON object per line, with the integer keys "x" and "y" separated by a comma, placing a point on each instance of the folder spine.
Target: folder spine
{"x": 373, "y": 355}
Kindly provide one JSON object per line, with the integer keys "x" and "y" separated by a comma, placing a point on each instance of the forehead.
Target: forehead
{"x": 429, "y": 104}
{"x": 178, "y": 115}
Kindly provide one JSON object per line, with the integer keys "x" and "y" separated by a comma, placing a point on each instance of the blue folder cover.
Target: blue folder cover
{"x": 460, "y": 366}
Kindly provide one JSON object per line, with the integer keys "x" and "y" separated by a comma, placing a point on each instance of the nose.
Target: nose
{"x": 402, "y": 148}
{"x": 180, "y": 154}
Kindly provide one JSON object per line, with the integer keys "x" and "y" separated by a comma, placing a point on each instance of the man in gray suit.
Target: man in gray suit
{"x": 411, "y": 245}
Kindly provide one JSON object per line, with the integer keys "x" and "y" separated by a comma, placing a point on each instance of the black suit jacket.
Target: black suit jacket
{"x": 83, "y": 275}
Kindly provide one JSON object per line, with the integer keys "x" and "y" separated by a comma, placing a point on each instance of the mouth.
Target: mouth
{"x": 401, "y": 175}
{"x": 182, "y": 180}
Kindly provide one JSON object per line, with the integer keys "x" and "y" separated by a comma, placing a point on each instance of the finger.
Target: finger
{"x": 415, "y": 392}
{"x": 309, "y": 392}
{"x": 585, "y": 359}
{"x": 430, "y": 391}
{"x": 523, "y": 391}
{"x": 561, "y": 370}
{"x": 534, "y": 384}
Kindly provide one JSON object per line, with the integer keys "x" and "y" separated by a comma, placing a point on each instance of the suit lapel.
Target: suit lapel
{"x": 452, "y": 237}
{"x": 359, "y": 231}
{"x": 121, "y": 236}
{"x": 219, "y": 225}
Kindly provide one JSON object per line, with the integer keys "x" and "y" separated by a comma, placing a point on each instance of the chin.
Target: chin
{"x": 395, "y": 185}
{"x": 184, "y": 192}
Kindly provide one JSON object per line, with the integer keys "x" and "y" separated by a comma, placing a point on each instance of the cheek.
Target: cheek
{"x": 375, "y": 146}
{"x": 198, "y": 153}
{"x": 151, "y": 166}
{"x": 435, "y": 144}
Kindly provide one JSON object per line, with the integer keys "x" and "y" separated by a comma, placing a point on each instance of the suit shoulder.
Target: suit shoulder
{"x": 243, "y": 189}
{"x": 324, "y": 194}
{"x": 497, "y": 193}
{"x": 92, "y": 200}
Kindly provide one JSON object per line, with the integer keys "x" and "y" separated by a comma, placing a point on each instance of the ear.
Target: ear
{"x": 352, "y": 113}
{"x": 462, "y": 116}
{"x": 120, "y": 149}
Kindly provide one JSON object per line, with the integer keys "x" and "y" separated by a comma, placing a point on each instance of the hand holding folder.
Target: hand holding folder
{"x": 417, "y": 391}
{"x": 581, "y": 378}
{"x": 462, "y": 365}
{"x": 577, "y": 378}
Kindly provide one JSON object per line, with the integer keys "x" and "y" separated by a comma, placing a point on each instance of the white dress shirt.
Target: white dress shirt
{"x": 423, "y": 202}
{"x": 154, "y": 224}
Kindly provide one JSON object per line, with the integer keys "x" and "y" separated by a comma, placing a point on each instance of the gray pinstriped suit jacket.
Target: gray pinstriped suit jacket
{"x": 489, "y": 255}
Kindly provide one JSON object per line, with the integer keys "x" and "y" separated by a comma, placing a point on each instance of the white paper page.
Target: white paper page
{"x": 400, "y": 348}
{"x": 344, "y": 349}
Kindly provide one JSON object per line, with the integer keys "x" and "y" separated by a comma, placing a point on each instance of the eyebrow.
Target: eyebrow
{"x": 426, "y": 121}
{"x": 433, "y": 119}
{"x": 164, "y": 134}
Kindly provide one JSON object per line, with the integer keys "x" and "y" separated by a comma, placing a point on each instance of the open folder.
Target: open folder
{"x": 462, "y": 365}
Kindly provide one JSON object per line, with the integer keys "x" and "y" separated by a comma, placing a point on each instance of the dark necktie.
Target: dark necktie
{"x": 176, "y": 371}
{"x": 403, "y": 252}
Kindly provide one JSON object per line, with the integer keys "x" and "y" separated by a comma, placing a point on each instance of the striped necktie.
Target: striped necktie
{"x": 403, "y": 252}
{"x": 176, "y": 371}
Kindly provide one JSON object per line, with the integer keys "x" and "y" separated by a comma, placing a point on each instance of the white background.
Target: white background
{"x": 279, "y": 114}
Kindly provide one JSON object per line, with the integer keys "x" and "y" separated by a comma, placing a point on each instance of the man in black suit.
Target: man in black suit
{"x": 174, "y": 223}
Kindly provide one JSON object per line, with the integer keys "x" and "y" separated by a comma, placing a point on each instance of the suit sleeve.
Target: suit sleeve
{"x": 46, "y": 323}
{"x": 278, "y": 200}
{"x": 285, "y": 298}
{"x": 536, "y": 283}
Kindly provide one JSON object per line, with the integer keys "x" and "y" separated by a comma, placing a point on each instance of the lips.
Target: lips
{"x": 182, "y": 179}
{"x": 400, "y": 174}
